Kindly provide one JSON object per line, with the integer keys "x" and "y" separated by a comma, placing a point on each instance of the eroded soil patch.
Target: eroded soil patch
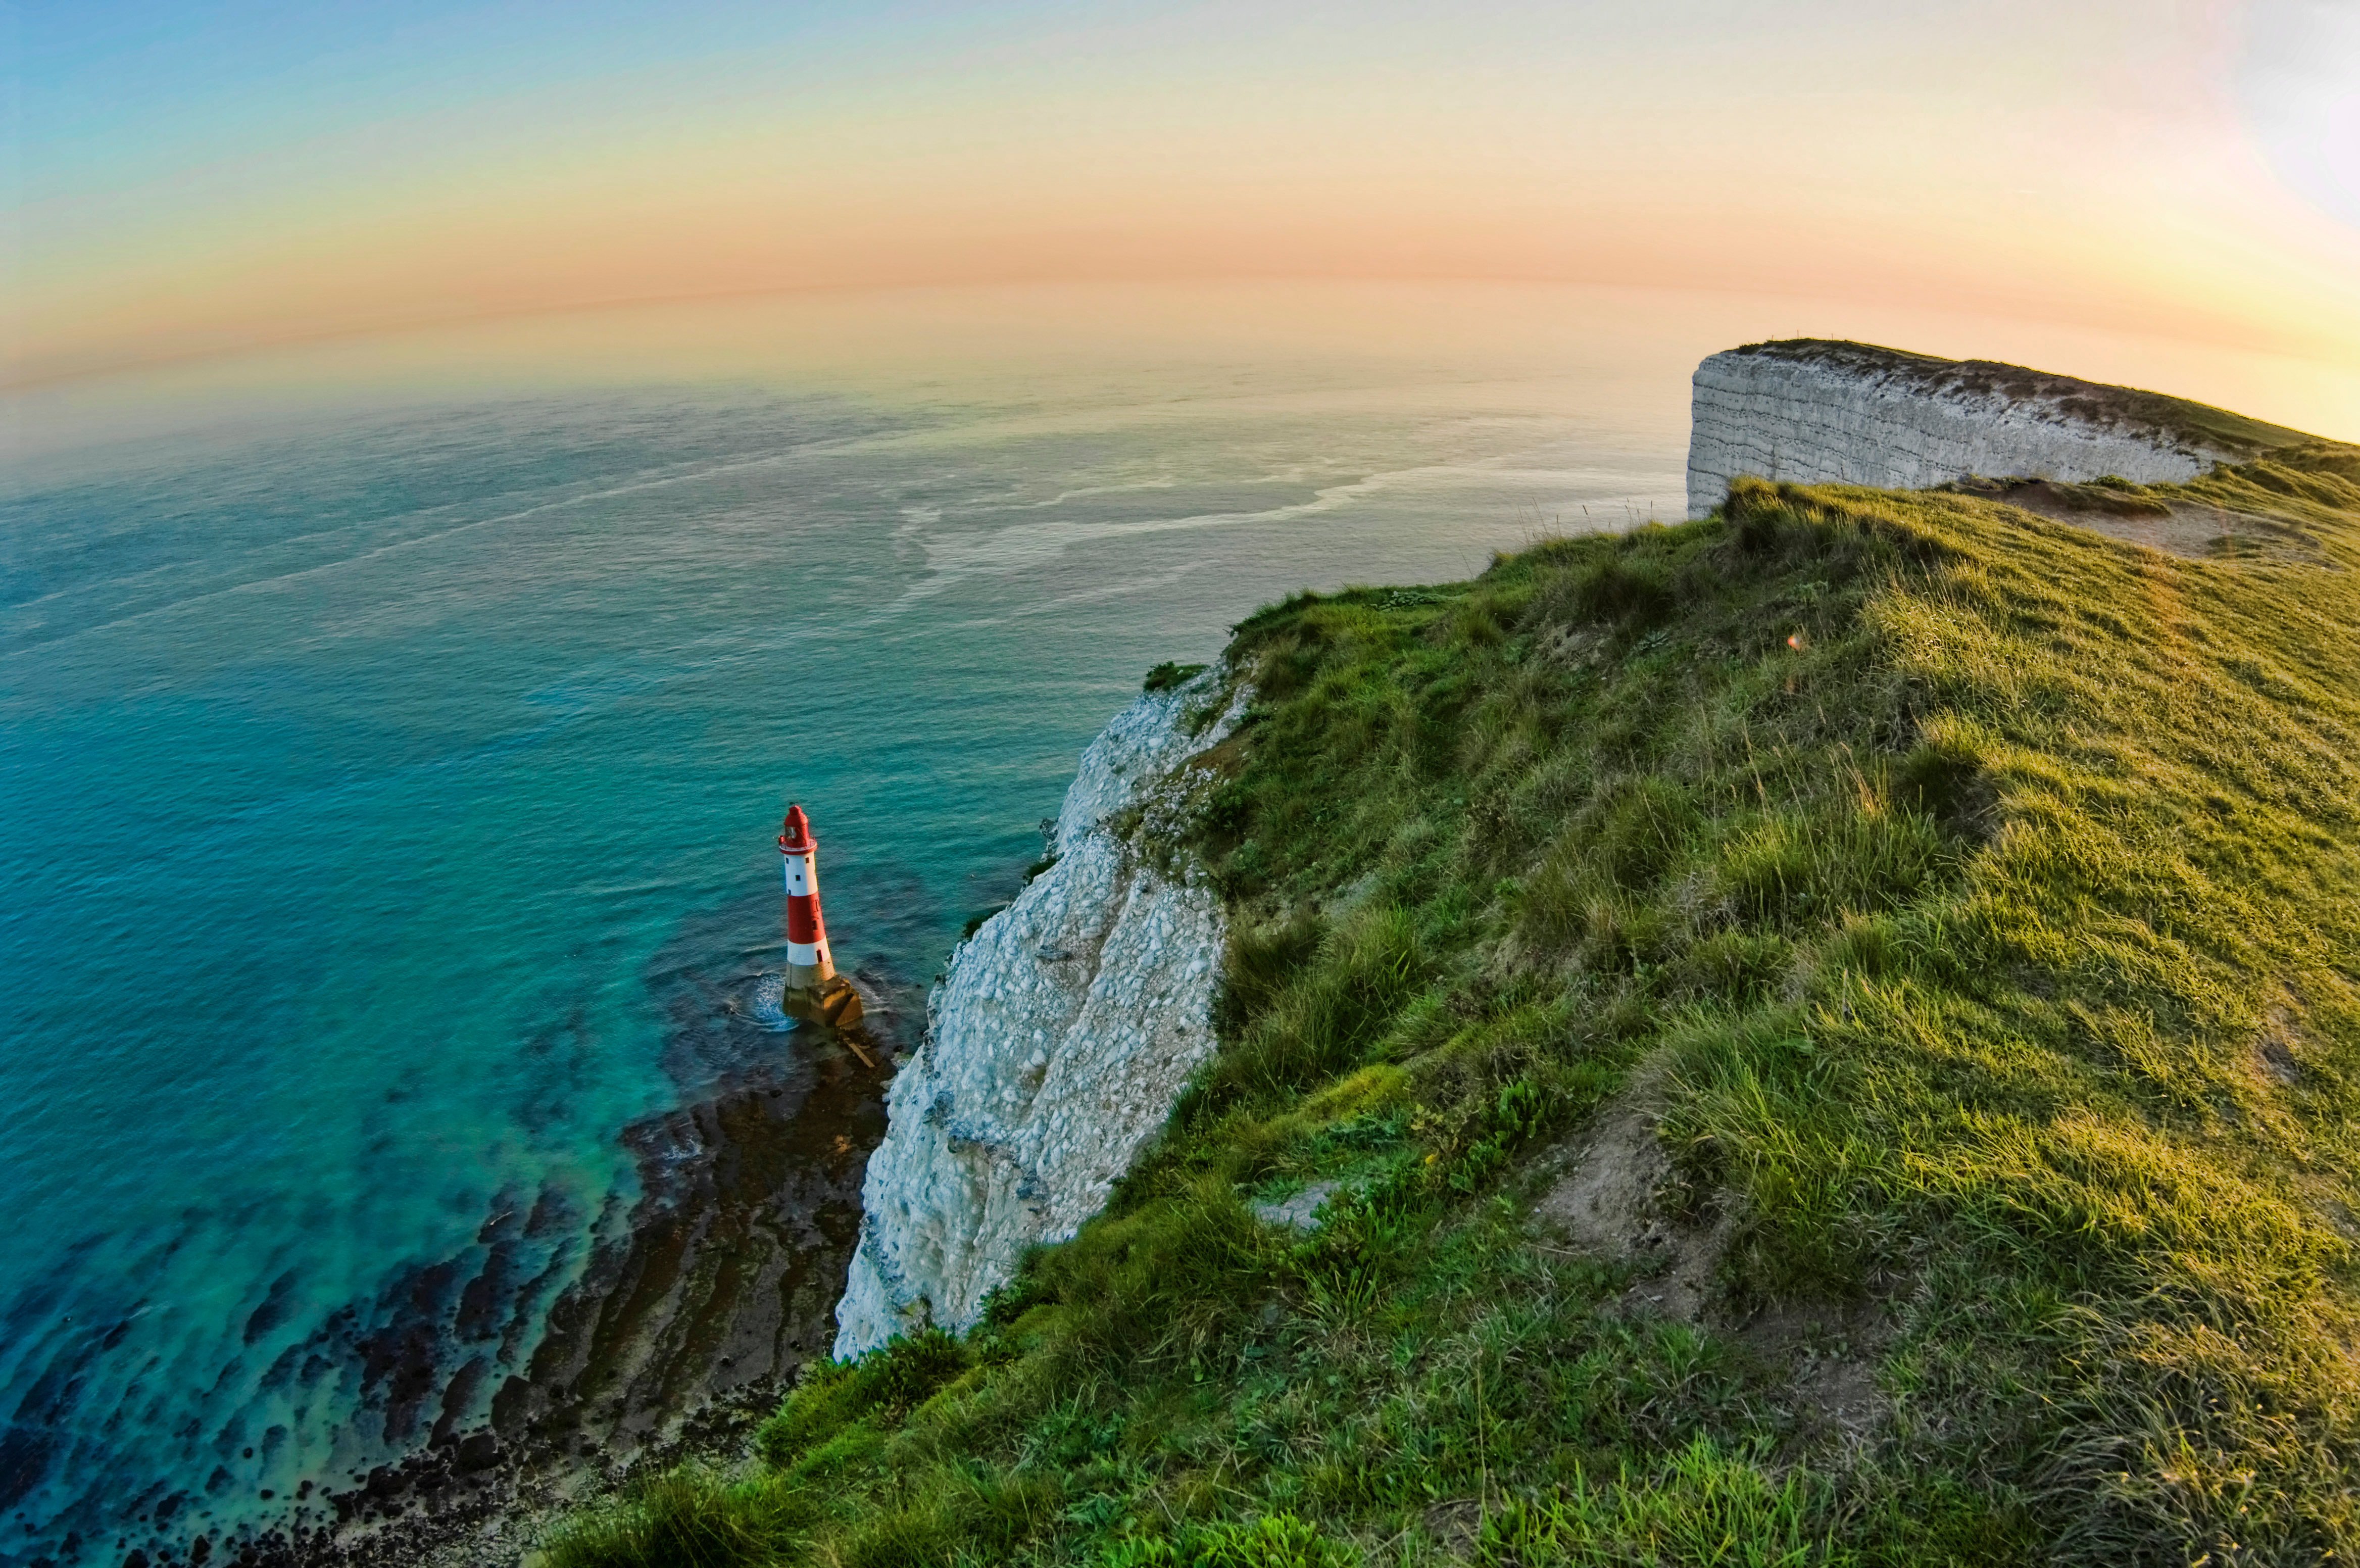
{"x": 2194, "y": 530}
{"x": 1616, "y": 1197}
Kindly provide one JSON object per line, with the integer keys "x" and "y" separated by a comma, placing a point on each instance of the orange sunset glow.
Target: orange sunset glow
{"x": 2113, "y": 165}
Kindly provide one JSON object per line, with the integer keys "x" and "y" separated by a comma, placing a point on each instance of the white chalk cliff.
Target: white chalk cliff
{"x": 1057, "y": 1045}
{"x": 1822, "y": 412}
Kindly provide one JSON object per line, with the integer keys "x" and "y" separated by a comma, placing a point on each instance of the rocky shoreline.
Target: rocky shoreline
{"x": 698, "y": 1304}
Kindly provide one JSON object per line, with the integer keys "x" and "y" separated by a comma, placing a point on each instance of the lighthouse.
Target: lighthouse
{"x": 808, "y": 963}
{"x": 813, "y": 989}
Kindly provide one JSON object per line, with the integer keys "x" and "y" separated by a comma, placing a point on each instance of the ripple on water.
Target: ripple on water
{"x": 766, "y": 1003}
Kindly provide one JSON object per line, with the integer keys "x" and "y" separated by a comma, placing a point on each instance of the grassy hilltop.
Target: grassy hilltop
{"x": 1835, "y": 1032}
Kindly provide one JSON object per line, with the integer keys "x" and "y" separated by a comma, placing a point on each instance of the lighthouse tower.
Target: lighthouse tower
{"x": 808, "y": 963}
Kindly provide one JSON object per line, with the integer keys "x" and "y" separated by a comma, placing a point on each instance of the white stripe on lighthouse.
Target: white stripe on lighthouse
{"x": 802, "y": 881}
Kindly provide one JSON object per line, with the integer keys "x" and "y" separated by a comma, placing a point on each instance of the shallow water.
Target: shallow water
{"x": 379, "y": 781}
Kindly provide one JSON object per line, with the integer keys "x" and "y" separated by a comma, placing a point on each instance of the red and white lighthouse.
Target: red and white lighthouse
{"x": 808, "y": 963}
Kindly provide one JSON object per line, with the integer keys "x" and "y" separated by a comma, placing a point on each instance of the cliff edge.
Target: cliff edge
{"x": 1817, "y": 411}
{"x": 1057, "y": 1045}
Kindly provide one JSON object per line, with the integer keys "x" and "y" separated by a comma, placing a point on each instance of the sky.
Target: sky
{"x": 185, "y": 178}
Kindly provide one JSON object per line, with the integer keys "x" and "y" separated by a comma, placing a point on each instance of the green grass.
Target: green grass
{"x": 1166, "y": 675}
{"x": 1980, "y": 901}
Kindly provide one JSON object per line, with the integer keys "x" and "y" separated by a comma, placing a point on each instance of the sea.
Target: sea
{"x": 392, "y": 732}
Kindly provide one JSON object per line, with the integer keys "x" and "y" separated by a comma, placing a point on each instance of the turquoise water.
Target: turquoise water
{"x": 375, "y": 779}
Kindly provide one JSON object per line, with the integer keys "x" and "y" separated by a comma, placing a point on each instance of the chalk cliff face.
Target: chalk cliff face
{"x": 1055, "y": 1046}
{"x": 1822, "y": 412}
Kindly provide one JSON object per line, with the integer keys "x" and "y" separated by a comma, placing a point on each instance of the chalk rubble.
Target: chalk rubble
{"x": 1817, "y": 412}
{"x": 1057, "y": 1045}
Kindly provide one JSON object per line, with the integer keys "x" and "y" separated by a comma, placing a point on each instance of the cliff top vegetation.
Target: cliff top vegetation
{"x": 1829, "y": 1033}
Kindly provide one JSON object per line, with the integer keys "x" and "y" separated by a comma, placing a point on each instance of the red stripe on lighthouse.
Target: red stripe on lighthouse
{"x": 803, "y": 920}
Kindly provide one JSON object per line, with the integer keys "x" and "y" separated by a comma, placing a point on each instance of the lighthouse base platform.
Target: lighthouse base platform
{"x": 822, "y": 997}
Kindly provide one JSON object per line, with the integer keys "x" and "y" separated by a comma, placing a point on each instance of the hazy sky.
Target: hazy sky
{"x": 205, "y": 174}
